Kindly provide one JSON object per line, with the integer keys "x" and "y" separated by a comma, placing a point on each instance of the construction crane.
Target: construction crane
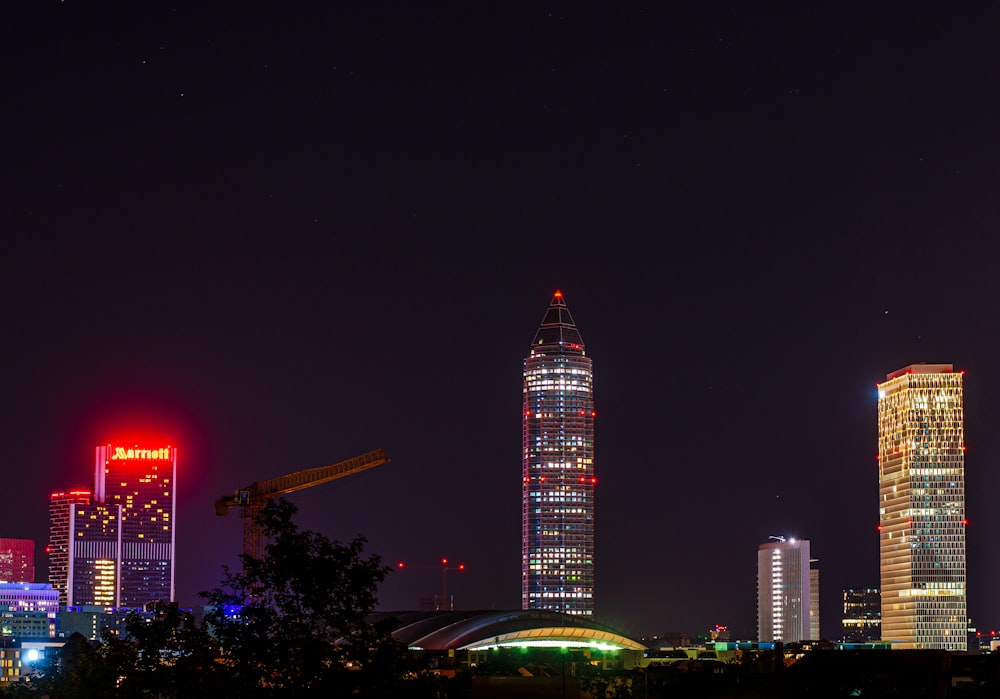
{"x": 252, "y": 499}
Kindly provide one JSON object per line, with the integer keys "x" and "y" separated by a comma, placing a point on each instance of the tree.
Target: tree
{"x": 84, "y": 670}
{"x": 173, "y": 656}
{"x": 301, "y": 625}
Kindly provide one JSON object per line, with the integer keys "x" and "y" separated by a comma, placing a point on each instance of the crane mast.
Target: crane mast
{"x": 252, "y": 499}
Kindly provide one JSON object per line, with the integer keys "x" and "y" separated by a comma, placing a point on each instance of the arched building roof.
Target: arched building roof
{"x": 473, "y": 630}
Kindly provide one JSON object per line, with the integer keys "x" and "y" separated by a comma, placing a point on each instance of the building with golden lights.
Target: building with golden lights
{"x": 142, "y": 483}
{"x": 113, "y": 547}
{"x": 921, "y": 456}
{"x": 61, "y": 519}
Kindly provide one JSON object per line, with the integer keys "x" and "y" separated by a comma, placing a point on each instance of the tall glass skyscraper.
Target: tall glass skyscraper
{"x": 62, "y": 509}
{"x": 787, "y": 589}
{"x": 557, "y": 503}
{"x": 140, "y": 483}
{"x": 921, "y": 452}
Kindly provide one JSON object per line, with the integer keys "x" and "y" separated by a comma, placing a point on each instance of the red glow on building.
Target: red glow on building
{"x": 72, "y": 493}
{"x": 17, "y": 560}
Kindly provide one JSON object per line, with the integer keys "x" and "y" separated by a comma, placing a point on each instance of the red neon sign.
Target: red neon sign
{"x": 128, "y": 453}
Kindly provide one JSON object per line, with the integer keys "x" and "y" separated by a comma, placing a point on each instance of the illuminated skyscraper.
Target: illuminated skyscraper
{"x": 95, "y": 542}
{"x": 921, "y": 452}
{"x": 17, "y": 560}
{"x": 786, "y": 589}
{"x": 60, "y": 525}
{"x": 557, "y": 503}
{"x": 862, "y": 619}
{"x": 141, "y": 482}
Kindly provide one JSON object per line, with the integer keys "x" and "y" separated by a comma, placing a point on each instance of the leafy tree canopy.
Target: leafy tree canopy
{"x": 302, "y": 624}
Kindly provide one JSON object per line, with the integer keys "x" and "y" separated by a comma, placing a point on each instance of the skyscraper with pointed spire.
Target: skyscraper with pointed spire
{"x": 557, "y": 503}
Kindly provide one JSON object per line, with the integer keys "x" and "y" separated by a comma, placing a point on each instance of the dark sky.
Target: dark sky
{"x": 276, "y": 236}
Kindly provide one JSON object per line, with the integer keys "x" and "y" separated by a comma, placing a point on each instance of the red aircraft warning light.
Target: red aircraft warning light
{"x": 444, "y": 567}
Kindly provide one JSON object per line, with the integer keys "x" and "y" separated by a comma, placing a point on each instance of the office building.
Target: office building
{"x": 60, "y": 524}
{"x": 558, "y": 482}
{"x": 95, "y": 543}
{"x": 26, "y": 601}
{"x": 862, "y": 616}
{"x": 921, "y": 455}
{"x": 138, "y": 485}
{"x": 17, "y": 560}
{"x": 84, "y": 541}
{"x": 786, "y": 589}
{"x": 814, "y": 632}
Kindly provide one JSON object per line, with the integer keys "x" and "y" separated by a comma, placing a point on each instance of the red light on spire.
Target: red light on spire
{"x": 558, "y": 294}
{"x": 400, "y": 565}
{"x": 444, "y": 561}
{"x": 461, "y": 566}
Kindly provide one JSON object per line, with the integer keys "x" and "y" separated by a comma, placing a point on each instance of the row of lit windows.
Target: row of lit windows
{"x": 558, "y": 370}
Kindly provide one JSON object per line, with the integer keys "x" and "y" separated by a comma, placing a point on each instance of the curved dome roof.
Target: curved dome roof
{"x": 472, "y": 630}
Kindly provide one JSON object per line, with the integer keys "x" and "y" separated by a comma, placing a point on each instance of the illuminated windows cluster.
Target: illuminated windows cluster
{"x": 558, "y": 479}
{"x": 922, "y": 507}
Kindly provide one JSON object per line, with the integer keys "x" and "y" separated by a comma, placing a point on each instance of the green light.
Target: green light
{"x": 562, "y": 645}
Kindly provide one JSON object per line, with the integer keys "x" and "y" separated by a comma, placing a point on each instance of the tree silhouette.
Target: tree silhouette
{"x": 301, "y": 625}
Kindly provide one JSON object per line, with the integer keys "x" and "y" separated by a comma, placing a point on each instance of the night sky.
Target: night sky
{"x": 280, "y": 236}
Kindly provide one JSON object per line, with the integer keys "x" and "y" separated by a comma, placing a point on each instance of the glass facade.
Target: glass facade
{"x": 786, "y": 589}
{"x": 93, "y": 571}
{"x": 17, "y": 560}
{"x": 558, "y": 482}
{"x": 922, "y": 508}
{"x": 60, "y": 525}
{"x": 862, "y": 619}
{"x": 141, "y": 482}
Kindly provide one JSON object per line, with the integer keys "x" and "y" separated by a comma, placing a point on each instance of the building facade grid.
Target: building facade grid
{"x": 558, "y": 481}
{"x": 921, "y": 458}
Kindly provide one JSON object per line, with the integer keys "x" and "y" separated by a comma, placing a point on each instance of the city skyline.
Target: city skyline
{"x": 276, "y": 240}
